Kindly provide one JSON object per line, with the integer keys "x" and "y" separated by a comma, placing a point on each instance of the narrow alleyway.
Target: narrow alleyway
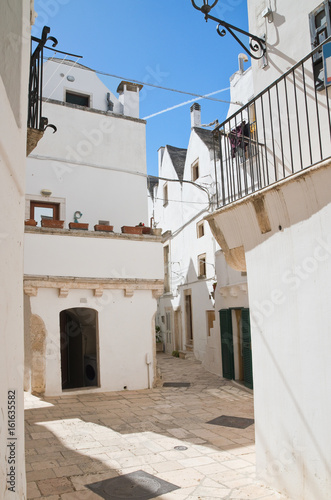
{"x": 151, "y": 444}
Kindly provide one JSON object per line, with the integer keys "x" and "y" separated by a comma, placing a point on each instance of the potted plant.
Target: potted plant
{"x": 146, "y": 230}
{"x": 103, "y": 227}
{"x": 156, "y": 231}
{"x": 52, "y": 223}
{"x": 158, "y": 339}
{"x": 30, "y": 222}
{"x": 76, "y": 224}
{"x": 132, "y": 229}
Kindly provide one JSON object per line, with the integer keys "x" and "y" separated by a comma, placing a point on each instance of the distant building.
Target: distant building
{"x": 90, "y": 295}
{"x": 198, "y": 283}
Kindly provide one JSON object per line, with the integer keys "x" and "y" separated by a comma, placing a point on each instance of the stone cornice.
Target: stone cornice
{"x": 93, "y": 234}
{"x": 98, "y": 285}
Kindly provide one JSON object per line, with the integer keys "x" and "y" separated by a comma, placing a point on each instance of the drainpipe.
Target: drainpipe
{"x": 148, "y": 363}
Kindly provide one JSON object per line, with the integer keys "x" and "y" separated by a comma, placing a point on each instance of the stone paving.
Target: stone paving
{"x": 73, "y": 442}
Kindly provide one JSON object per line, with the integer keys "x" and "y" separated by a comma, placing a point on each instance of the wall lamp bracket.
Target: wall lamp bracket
{"x": 257, "y": 45}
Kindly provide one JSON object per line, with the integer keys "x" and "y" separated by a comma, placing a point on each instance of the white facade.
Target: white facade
{"x": 280, "y": 234}
{"x": 90, "y": 296}
{"x": 183, "y": 247}
{"x": 188, "y": 311}
{"x": 14, "y": 70}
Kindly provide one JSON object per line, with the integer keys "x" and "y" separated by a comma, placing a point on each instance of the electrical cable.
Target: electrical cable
{"x": 146, "y": 84}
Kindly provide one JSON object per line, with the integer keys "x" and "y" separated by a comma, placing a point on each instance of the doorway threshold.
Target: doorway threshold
{"x": 241, "y": 385}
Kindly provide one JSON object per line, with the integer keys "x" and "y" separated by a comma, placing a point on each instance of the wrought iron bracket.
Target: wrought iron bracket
{"x": 35, "y": 119}
{"x": 257, "y": 46}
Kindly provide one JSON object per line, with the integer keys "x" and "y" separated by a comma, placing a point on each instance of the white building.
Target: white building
{"x": 90, "y": 295}
{"x": 16, "y": 18}
{"x": 189, "y": 311}
{"x": 276, "y": 226}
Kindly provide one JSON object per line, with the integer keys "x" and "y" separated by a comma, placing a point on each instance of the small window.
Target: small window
{"x": 210, "y": 321}
{"x": 165, "y": 195}
{"x": 40, "y": 210}
{"x": 195, "y": 171}
{"x": 200, "y": 229}
{"x": 202, "y": 266}
{"x": 78, "y": 99}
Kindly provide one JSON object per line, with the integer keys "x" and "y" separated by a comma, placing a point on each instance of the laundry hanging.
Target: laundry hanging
{"x": 238, "y": 138}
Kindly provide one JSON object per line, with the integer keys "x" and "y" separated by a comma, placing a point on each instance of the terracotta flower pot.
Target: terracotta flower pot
{"x": 78, "y": 225}
{"x": 52, "y": 223}
{"x": 132, "y": 229}
{"x": 30, "y": 222}
{"x": 146, "y": 230}
{"x": 103, "y": 227}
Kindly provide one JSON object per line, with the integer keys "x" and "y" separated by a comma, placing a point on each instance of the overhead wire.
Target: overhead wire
{"x": 161, "y": 87}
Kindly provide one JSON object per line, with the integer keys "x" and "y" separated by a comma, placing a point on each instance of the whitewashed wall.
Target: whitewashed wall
{"x": 92, "y": 257}
{"x": 288, "y": 271}
{"x": 14, "y": 71}
{"x": 125, "y": 336}
{"x": 97, "y": 162}
{"x": 287, "y": 34}
{"x": 180, "y": 216}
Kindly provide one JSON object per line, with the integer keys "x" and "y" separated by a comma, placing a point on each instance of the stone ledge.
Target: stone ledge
{"x": 92, "y": 234}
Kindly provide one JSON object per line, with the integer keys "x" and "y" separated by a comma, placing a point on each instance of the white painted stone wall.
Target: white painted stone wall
{"x": 289, "y": 272}
{"x": 14, "y": 71}
{"x": 287, "y": 35}
{"x": 181, "y": 216}
{"x": 58, "y": 76}
{"x": 125, "y": 337}
{"x": 92, "y": 257}
{"x": 92, "y": 156}
{"x": 96, "y": 164}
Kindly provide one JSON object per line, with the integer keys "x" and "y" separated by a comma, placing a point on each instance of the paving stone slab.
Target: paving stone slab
{"x": 230, "y": 421}
{"x": 137, "y": 485}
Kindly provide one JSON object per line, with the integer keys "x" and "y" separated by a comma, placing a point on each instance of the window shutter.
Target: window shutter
{"x": 247, "y": 348}
{"x": 227, "y": 343}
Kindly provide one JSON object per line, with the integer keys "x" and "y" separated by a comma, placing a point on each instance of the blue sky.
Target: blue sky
{"x": 163, "y": 42}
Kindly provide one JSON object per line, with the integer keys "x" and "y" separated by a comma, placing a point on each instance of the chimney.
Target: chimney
{"x": 195, "y": 115}
{"x": 241, "y": 59}
{"x": 129, "y": 98}
{"x": 161, "y": 153}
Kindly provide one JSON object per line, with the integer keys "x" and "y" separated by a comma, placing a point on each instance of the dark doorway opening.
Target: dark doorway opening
{"x": 79, "y": 352}
{"x": 236, "y": 345}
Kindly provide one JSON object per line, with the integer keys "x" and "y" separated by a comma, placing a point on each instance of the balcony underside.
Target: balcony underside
{"x": 242, "y": 225}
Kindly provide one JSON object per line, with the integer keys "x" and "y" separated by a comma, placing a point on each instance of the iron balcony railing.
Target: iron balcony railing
{"x": 35, "y": 118}
{"x": 284, "y": 129}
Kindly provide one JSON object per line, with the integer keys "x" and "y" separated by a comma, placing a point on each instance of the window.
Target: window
{"x": 210, "y": 321}
{"x": 40, "y": 210}
{"x": 165, "y": 195}
{"x": 79, "y": 99}
{"x": 166, "y": 269}
{"x": 202, "y": 266}
{"x": 200, "y": 229}
{"x": 195, "y": 170}
{"x": 320, "y": 29}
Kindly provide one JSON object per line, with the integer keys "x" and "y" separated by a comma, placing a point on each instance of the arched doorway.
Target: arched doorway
{"x": 79, "y": 348}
